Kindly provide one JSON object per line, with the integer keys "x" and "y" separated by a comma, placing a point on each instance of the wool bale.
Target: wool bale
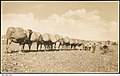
{"x": 75, "y": 40}
{"x": 61, "y": 37}
{"x": 40, "y": 38}
{"x": 19, "y": 33}
{"x": 57, "y": 36}
{"x": 10, "y": 31}
{"x": 46, "y": 37}
{"x": 52, "y": 38}
{"x": 71, "y": 41}
{"x": 16, "y": 33}
{"x": 34, "y": 36}
{"x": 66, "y": 39}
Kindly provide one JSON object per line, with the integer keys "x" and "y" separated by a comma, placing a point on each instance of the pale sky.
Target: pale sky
{"x": 83, "y": 20}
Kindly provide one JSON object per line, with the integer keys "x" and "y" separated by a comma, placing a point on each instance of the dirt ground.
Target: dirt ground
{"x": 63, "y": 61}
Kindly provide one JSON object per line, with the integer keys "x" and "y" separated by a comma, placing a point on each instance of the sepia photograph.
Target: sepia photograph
{"x": 59, "y": 37}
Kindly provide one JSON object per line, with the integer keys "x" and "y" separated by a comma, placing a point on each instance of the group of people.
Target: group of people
{"x": 92, "y": 48}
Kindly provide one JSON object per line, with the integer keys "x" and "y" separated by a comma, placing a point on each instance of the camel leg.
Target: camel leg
{"x": 45, "y": 47}
{"x": 37, "y": 46}
{"x": 54, "y": 46}
{"x": 58, "y": 47}
{"x": 23, "y": 45}
{"x": 29, "y": 46}
{"x": 9, "y": 41}
{"x": 71, "y": 46}
{"x": 48, "y": 47}
{"x": 40, "y": 46}
{"x": 51, "y": 46}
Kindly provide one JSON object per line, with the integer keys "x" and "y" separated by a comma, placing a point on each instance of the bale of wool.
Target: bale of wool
{"x": 57, "y": 36}
{"x": 19, "y": 33}
{"x": 71, "y": 41}
{"x": 61, "y": 40}
{"x": 61, "y": 37}
{"x": 53, "y": 38}
{"x": 10, "y": 31}
{"x": 34, "y": 36}
{"x": 46, "y": 37}
{"x": 75, "y": 40}
{"x": 66, "y": 39}
{"x": 40, "y": 38}
{"x": 38, "y": 33}
{"x": 79, "y": 41}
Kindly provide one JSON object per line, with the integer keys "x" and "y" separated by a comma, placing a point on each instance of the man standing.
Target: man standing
{"x": 89, "y": 47}
{"x": 93, "y": 48}
{"x": 86, "y": 47}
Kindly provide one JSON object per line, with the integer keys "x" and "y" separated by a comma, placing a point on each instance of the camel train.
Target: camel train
{"x": 49, "y": 41}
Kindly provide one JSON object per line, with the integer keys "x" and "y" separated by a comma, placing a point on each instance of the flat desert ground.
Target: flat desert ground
{"x": 62, "y": 61}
